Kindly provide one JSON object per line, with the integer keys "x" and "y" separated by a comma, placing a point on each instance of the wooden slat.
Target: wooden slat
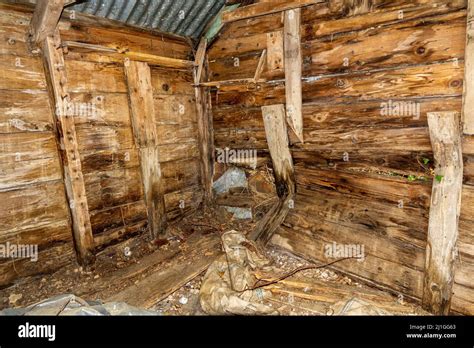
{"x": 293, "y": 62}
{"x": 264, "y": 8}
{"x": 204, "y": 124}
{"x": 468, "y": 102}
{"x": 277, "y": 138}
{"x": 444, "y": 212}
{"x": 71, "y": 161}
{"x": 140, "y": 91}
{"x": 44, "y": 21}
{"x": 194, "y": 258}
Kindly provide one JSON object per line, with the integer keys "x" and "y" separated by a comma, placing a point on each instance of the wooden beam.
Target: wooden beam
{"x": 151, "y": 59}
{"x": 260, "y": 66}
{"x": 468, "y": 96}
{"x": 140, "y": 91}
{"x": 264, "y": 8}
{"x": 44, "y": 22}
{"x": 444, "y": 211}
{"x": 293, "y": 66}
{"x": 204, "y": 123}
{"x": 278, "y": 144}
{"x": 70, "y": 157}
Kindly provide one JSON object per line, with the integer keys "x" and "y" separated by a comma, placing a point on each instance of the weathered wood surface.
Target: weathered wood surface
{"x": 194, "y": 259}
{"x": 445, "y": 209}
{"x": 70, "y": 157}
{"x": 468, "y": 102}
{"x": 142, "y": 111}
{"x": 44, "y": 21}
{"x": 277, "y": 138}
{"x": 204, "y": 123}
{"x": 263, "y": 8}
{"x": 293, "y": 62}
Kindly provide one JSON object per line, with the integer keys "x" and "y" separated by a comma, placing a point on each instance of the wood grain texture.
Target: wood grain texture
{"x": 445, "y": 209}
{"x": 70, "y": 157}
{"x": 468, "y": 102}
{"x": 142, "y": 111}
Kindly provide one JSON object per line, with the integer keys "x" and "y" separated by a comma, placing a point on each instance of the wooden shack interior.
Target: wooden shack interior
{"x": 337, "y": 136}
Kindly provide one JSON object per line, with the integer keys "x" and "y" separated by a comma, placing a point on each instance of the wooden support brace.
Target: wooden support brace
{"x": 151, "y": 59}
{"x": 140, "y": 91}
{"x": 278, "y": 144}
{"x": 204, "y": 123}
{"x": 293, "y": 66}
{"x": 44, "y": 22}
{"x": 468, "y": 96}
{"x": 263, "y": 8}
{"x": 444, "y": 211}
{"x": 67, "y": 139}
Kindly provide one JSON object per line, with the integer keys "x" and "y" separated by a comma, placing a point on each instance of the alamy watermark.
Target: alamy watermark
{"x": 19, "y": 251}
{"x": 230, "y": 156}
{"x": 401, "y": 108}
{"x": 339, "y": 251}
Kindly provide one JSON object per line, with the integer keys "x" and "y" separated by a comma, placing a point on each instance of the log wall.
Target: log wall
{"x": 34, "y": 208}
{"x": 363, "y": 173}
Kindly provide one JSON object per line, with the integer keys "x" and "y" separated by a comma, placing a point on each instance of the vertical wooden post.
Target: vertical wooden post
{"x": 204, "y": 123}
{"x": 44, "y": 21}
{"x": 142, "y": 111}
{"x": 278, "y": 144}
{"x": 293, "y": 65}
{"x": 468, "y": 96}
{"x": 71, "y": 161}
{"x": 444, "y": 211}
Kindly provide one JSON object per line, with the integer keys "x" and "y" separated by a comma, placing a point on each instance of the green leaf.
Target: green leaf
{"x": 439, "y": 178}
{"x": 411, "y": 178}
{"x": 426, "y": 160}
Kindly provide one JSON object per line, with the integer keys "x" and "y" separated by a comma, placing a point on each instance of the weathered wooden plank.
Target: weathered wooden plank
{"x": 180, "y": 174}
{"x": 140, "y": 92}
{"x": 66, "y": 134}
{"x": 264, "y": 8}
{"x": 194, "y": 258}
{"x": 32, "y": 206}
{"x": 468, "y": 95}
{"x": 108, "y": 160}
{"x": 204, "y": 122}
{"x": 275, "y": 53}
{"x": 26, "y": 146}
{"x": 86, "y": 77}
{"x": 445, "y": 209}
{"x": 293, "y": 63}
{"x": 44, "y": 21}
{"x": 175, "y": 109}
{"x": 21, "y": 73}
{"x": 379, "y": 272}
{"x": 435, "y": 39}
{"x": 173, "y": 82}
{"x": 22, "y": 111}
{"x": 277, "y": 138}
{"x": 92, "y": 137}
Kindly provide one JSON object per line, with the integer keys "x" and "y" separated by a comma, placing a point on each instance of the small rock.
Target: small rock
{"x": 96, "y": 276}
{"x": 183, "y": 300}
{"x": 14, "y": 298}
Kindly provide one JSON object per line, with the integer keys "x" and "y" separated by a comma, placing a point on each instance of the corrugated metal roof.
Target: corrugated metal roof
{"x": 181, "y": 17}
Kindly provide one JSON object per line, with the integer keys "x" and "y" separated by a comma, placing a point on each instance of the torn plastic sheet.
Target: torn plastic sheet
{"x": 234, "y": 177}
{"x": 240, "y": 213}
{"x": 225, "y": 287}
{"x": 69, "y": 304}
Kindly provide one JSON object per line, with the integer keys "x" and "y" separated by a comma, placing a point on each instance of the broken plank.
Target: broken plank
{"x": 140, "y": 91}
{"x": 277, "y": 138}
{"x": 194, "y": 259}
{"x": 444, "y": 212}
{"x": 293, "y": 63}
{"x": 70, "y": 157}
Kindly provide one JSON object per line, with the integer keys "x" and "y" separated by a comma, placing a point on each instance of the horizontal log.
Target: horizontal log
{"x": 264, "y": 8}
{"x": 151, "y": 59}
{"x": 27, "y": 146}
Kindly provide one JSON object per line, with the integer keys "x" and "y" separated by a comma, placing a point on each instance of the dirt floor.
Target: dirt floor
{"x": 128, "y": 263}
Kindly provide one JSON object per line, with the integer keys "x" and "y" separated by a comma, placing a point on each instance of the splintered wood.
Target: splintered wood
{"x": 444, "y": 211}
{"x": 277, "y": 138}
{"x": 145, "y": 134}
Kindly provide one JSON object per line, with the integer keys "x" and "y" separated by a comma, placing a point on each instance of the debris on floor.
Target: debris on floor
{"x": 73, "y": 305}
